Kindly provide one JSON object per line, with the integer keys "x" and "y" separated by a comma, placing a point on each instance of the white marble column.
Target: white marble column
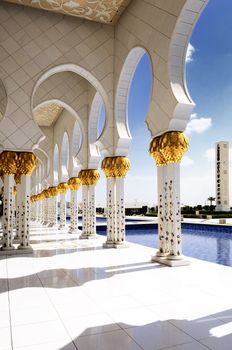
{"x": 18, "y": 212}
{"x": 50, "y": 214}
{"x": 45, "y": 211}
{"x": 92, "y": 211}
{"x": 167, "y": 150}
{"x": 62, "y": 211}
{"x": 85, "y": 212}
{"x": 115, "y": 169}
{"x": 173, "y": 181}
{"x": 40, "y": 211}
{"x": 8, "y": 213}
{"x": 89, "y": 179}
{"x": 111, "y": 211}
{"x": 163, "y": 222}
{"x": 53, "y": 210}
{"x": 120, "y": 210}
{"x": 73, "y": 212}
{"x": 25, "y": 213}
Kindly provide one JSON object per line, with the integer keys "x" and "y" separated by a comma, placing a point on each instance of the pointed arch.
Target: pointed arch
{"x": 64, "y": 161}
{"x": 56, "y": 165}
{"x": 122, "y": 97}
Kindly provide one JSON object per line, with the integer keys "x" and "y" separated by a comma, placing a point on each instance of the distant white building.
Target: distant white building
{"x": 222, "y": 176}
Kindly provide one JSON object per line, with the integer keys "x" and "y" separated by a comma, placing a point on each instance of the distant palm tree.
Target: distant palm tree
{"x": 211, "y": 200}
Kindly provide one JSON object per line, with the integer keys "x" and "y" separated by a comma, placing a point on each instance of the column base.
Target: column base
{"x": 6, "y": 249}
{"x": 28, "y": 248}
{"x": 16, "y": 251}
{"x": 170, "y": 262}
{"x": 74, "y": 231}
{"x": 115, "y": 245}
{"x": 62, "y": 227}
{"x": 162, "y": 255}
{"x": 88, "y": 236}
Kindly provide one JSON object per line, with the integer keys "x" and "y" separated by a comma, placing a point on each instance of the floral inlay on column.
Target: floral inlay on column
{"x": 62, "y": 188}
{"x": 8, "y": 168}
{"x": 89, "y": 179}
{"x": 115, "y": 169}
{"x": 74, "y": 184}
{"x": 167, "y": 151}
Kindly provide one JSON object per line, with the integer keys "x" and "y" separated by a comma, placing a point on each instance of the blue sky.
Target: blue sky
{"x": 209, "y": 81}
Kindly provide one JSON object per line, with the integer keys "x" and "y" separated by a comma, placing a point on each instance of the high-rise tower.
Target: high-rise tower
{"x": 222, "y": 176}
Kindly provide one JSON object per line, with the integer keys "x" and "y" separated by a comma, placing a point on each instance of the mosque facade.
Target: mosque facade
{"x": 59, "y": 64}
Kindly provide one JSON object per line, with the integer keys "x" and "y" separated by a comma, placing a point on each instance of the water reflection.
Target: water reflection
{"x": 223, "y": 251}
{"x": 210, "y": 245}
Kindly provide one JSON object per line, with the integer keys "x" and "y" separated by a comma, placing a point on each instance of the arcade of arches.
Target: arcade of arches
{"x": 57, "y": 69}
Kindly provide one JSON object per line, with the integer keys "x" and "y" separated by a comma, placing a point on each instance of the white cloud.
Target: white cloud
{"x": 210, "y": 154}
{"x": 186, "y": 161}
{"x": 198, "y": 125}
{"x": 189, "y": 53}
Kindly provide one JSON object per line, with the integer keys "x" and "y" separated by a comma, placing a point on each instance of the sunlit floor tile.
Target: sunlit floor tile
{"x": 5, "y": 338}
{"x": 33, "y": 334}
{"x": 28, "y": 315}
{"x": 49, "y": 346}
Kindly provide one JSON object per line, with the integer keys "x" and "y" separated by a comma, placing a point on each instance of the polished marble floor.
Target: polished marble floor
{"x": 71, "y": 294}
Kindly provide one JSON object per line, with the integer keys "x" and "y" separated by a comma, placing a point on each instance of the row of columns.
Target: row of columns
{"x": 167, "y": 151}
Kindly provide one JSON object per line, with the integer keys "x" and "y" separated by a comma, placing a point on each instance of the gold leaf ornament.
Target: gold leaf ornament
{"x": 169, "y": 147}
{"x": 89, "y": 177}
{"x": 74, "y": 183}
{"x": 62, "y": 187}
{"x": 115, "y": 167}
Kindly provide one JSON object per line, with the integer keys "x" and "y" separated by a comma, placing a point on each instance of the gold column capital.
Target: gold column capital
{"x": 115, "y": 167}
{"x": 26, "y": 163}
{"x": 74, "y": 183}
{"x": 8, "y": 163}
{"x": 169, "y": 147}
{"x": 62, "y": 187}
{"x": 89, "y": 177}
{"x": 53, "y": 191}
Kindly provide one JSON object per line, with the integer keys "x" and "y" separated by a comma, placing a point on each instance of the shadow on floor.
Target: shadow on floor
{"x": 66, "y": 278}
{"x": 209, "y": 332}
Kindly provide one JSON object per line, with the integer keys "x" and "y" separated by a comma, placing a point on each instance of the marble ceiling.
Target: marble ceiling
{"x": 103, "y": 11}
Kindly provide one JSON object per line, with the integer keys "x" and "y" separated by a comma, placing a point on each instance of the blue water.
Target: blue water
{"x": 210, "y": 243}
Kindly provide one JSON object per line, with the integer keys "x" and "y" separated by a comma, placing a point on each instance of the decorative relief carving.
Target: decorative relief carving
{"x": 103, "y": 11}
{"x": 115, "y": 167}
{"x": 47, "y": 115}
{"x": 169, "y": 147}
{"x": 89, "y": 177}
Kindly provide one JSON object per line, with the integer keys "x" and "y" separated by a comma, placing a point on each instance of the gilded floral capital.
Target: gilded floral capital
{"x": 115, "y": 167}
{"x": 53, "y": 191}
{"x": 74, "y": 183}
{"x": 26, "y": 163}
{"x": 46, "y": 194}
{"x": 62, "y": 187}
{"x": 8, "y": 163}
{"x": 89, "y": 177}
{"x": 169, "y": 147}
